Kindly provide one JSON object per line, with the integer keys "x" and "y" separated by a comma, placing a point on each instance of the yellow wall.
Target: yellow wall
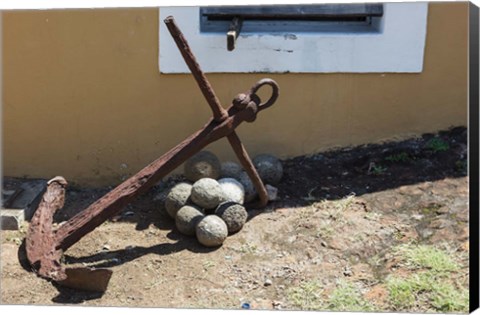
{"x": 83, "y": 96}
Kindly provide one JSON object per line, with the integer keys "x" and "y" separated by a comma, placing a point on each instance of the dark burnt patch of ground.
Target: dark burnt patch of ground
{"x": 376, "y": 167}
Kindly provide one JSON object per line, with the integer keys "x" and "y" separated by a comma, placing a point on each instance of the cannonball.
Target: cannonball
{"x": 202, "y": 165}
{"x": 230, "y": 169}
{"x": 233, "y": 214}
{"x": 211, "y": 231}
{"x": 269, "y": 168}
{"x": 207, "y": 193}
{"x": 250, "y": 192}
{"x": 177, "y": 197}
{"x": 187, "y": 219}
{"x": 232, "y": 190}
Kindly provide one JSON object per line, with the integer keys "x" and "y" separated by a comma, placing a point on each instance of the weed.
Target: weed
{"x": 248, "y": 248}
{"x": 431, "y": 209}
{"x": 307, "y": 296}
{"x": 346, "y": 297}
{"x": 372, "y": 216}
{"x": 399, "y": 157}
{"x": 325, "y": 230}
{"x": 340, "y": 206}
{"x": 461, "y": 166}
{"x": 208, "y": 264}
{"x": 377, "y": 170}
{"x": 437, "y": 145}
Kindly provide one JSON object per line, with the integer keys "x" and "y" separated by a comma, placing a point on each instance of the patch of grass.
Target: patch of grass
{"x": 448, "y": 299}
{"x": 426, "y": 256}
{"x": 347, "y": 297}
{"x": 437, "y": 145}
{"x": 307, "y": 296}
{"x": 429, "y": 286}
{"x": 401, "y": 292}
{"x": 399, "y": 157}
{"x": 431, "y": 291}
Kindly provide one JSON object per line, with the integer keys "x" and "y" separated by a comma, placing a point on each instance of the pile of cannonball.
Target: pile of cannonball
{"x": 210, "y": 205}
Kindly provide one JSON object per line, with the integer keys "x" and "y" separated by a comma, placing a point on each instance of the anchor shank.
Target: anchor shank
{"x": 219, "y": 112}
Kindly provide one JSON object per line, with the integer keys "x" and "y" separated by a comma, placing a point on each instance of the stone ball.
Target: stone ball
{"x": 269, "y": 168}
{"x": 187, "y": 219}
{"x": 211, "y": 231}
{"x": 207, "y": 193}
{"x": 250, "y": 192}
{"x": 202, "y": 165}
{"x": 233, "y": 214}
{"x": 178, "y": 197}
{"x": 230, "y": 169}
{"x": 232, "y": 190}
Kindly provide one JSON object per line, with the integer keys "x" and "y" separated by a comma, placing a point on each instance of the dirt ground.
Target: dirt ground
{"x": 349, "y": 226}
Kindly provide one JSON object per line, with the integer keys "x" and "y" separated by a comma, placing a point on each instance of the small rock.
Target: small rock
{"x": 267, "y": 282}
{"x": 335, "y": 244}
{"x": 347, "y": 271}
{"x": 439, "y": 224}
{"x": 272, "y": 192}
{"x": 441, "y": 210}
{"x": 115, "y": 260}
{"x": 277, "y": 305}
{"x": 425, "y": 233}
{"x": 417, "y": 217}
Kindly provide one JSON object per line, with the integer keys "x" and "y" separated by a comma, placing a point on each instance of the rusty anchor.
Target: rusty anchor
{"x": 45, "y": 246}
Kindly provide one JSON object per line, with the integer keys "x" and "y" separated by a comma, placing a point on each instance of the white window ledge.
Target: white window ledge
{"x": 398, "y": 46}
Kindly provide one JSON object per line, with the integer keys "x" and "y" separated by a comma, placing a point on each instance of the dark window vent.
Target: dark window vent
{"x": 293, "y": 18}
